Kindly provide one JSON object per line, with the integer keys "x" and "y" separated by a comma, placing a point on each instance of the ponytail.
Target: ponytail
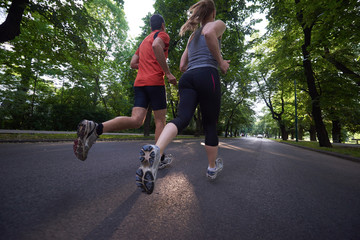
{"x": 198, "y": 12}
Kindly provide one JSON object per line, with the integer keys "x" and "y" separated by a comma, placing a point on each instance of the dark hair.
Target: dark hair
{"x": 156, "y": 21}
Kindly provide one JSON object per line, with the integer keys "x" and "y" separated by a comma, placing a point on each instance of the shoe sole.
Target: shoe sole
{"x": 145, "y": 181}
{"x": 145, "y": 178}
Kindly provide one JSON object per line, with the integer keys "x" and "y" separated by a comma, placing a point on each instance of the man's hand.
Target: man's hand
{"x": 134, "y": 64}
{"x": 171, "y": 78}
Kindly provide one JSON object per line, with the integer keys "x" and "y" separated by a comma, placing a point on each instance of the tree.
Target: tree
{"x": 73, "y": 46}
{"x": 10, "y": 28}
{"x": 323, "y": 26}
{"x": 273, "y": 66}
{"x": 310, "y": 77}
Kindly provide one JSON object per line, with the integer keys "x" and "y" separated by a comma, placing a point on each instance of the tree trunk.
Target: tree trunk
{"x": 147, "y": 122}
{"x": 321, "y": 132}
{"x": 301, "y": 133}
{"x": 31, "y": 114}
{"x": 21, "y": 103}
{"x": 227, "y": 128}
{"x": 229, "y": 120}
{"x": 97, "y": 81}
{"x": 310, "y": 79}
{"x": 11, "y": 27}
{"x": 336, "y": 131}
{"x": 284, "y": 134}
{"x": 198, "y": 122}
{"x": 312, "y": 132}
{"x": 172, "y": 105}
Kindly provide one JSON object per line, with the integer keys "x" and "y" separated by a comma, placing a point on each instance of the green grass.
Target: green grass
{"x": 69, "y": 137}
{"x": 41, "y": 136}
{"x": 346, "y": 150}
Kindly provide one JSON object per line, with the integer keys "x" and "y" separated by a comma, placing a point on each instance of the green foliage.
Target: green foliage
{"x": 334, "y": 49}
{"x": 71, "y": 61}
{"x": 72, "y": 64}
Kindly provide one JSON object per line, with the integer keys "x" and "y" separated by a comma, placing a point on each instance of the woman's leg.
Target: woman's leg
{"x": 186, "y": 109}
{"x": 210, "y": 98}
{"x": 168, "y": 134}
{"x": 212, "y": 153}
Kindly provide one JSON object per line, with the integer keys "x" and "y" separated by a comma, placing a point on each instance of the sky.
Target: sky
{"x": 135, "y": 10}
{"x": 2, "y": 15}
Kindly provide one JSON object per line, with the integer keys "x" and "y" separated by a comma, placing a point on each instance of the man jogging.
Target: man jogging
{"x": 149, "y": 86}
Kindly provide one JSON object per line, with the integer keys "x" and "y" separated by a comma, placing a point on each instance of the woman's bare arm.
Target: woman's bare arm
{"x": 212, "y": 32}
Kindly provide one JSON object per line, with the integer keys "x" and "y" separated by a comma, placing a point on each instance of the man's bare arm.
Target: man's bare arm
{"x": 134, "y": 64}
{"x": 158, "y": 47}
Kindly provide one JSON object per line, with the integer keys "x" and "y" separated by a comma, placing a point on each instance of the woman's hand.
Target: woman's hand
{"x": 224, "y": 66}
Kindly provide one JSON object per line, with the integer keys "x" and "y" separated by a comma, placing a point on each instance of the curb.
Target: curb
{"x": 339, "y": 155}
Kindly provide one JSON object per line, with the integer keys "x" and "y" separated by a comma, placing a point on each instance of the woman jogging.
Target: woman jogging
{"x": 200, "y": 84}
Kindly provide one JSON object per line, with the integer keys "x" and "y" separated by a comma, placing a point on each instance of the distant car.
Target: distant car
{"x": 259, "y": 136}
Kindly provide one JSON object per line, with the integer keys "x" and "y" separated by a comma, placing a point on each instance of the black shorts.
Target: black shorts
{"x": 155, "y": 96}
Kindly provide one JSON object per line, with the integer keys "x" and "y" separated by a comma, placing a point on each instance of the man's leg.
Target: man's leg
{"x": 121, "y": 123}
{"x": 160, "y": 121}
{"x": 88, "y": 131}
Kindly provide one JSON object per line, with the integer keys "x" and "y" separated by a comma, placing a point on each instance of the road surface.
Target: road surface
{"x": 267, "y": 190}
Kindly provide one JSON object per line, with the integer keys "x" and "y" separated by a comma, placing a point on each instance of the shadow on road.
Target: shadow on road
{"x": 110, "y": 224}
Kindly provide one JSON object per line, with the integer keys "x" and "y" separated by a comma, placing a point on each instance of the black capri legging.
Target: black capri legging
{"x": 200, "y": 86}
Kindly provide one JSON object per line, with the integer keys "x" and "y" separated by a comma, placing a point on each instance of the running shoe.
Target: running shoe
{"x": 146, "y": 174}
{"x": 218, "y": 167}
{"x": 86, "y": 138}
{"x": 165, "y": 161}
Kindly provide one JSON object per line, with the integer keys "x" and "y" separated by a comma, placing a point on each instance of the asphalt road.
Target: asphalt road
{"x": 267, "y": 190}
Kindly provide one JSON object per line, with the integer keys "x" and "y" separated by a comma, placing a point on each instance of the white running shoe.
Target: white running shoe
{"x": 166, "y": 160}
{"x": 219, "y": 165}
{"x": 86, "y": 138}
{"x": 146, "y": 174}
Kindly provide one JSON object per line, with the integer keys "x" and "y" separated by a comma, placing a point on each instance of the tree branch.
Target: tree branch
{"x": 330, "y": 58}
{"x": 10, "y": 28}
